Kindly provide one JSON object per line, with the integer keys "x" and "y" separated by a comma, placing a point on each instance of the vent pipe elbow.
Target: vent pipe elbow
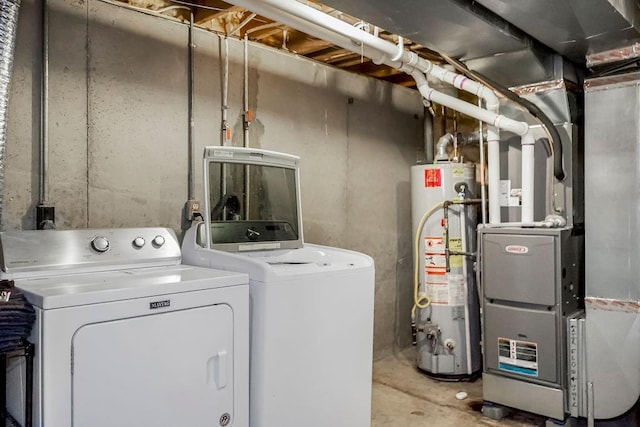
{"x": 441, "y": 147}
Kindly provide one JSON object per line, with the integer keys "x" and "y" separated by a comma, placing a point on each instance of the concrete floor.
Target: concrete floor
{"x": 404, "y": 397}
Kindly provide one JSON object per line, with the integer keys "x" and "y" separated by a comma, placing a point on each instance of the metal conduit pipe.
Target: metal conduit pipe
{"x": 44, "y": 109}
{"x": 190, "y": 145}
{"x": 8, "y": 29}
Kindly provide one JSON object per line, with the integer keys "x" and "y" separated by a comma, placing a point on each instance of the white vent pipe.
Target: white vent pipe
{"x": 338, "y": 32}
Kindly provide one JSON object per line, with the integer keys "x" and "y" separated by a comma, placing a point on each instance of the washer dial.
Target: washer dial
{"x": 100, "y": 244}
{"x": 138, "y": 242}
{"x": 158, "y": 241}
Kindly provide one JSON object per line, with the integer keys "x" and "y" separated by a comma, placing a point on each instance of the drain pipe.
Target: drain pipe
{"x": 8, "y": 29}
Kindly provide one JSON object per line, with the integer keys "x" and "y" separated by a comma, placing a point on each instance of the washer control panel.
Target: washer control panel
{"x": 63, "y": 250}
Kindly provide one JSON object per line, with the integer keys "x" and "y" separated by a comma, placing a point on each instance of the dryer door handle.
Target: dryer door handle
{"x": 217, "y": 369}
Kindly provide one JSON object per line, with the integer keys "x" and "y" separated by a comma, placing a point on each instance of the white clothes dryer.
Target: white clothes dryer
{"x": 127, "y": 336}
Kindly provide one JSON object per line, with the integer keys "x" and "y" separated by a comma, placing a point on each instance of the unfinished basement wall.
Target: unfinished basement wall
{"x": 118, "y": 136}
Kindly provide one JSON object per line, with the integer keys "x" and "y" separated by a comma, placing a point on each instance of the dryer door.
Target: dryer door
{"x": 168, "y": 369}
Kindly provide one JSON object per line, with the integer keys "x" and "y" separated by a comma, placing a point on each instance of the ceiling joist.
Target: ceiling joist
{"x": 221, "y": 17}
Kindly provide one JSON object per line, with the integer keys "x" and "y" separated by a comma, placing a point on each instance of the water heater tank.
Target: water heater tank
{"x": 448, "y": 336}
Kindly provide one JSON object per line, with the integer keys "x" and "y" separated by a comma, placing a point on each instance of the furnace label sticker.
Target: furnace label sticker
{"x": 509, "y": 196}
{"x": 432, "y": 178}
{"x": 519, "y": 357}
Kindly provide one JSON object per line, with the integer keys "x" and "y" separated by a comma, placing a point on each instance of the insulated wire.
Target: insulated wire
{"x": 417, "y": 300}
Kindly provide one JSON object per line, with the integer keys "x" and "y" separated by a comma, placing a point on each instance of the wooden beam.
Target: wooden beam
{"x": 351, "y": 61}
{"x": 305, "y": 45}
{"x": 225, "y": 18}
{"x": 328, "y": 53}
{"x": 265, "y": 33}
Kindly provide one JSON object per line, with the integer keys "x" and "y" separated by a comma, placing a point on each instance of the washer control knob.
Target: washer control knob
{"x": 100, "y": 244}
{"x": 138, "y": 242}
{"x": 158, "y": 241}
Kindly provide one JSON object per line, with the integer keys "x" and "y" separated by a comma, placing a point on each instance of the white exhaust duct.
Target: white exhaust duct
{"x": 336, "y": 31}
{"x": 8, "y": 29}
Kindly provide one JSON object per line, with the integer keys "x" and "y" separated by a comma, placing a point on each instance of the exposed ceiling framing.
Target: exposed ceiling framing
{"x": 223, "y": 18}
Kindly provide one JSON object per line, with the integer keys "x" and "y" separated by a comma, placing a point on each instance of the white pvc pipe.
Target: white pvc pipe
{"x": 467, "y": 320}
{"x": 338, "y": 32}
{"x": 483, "y": 189}
{"x": 400, "y": 52}
{"x": 493, "y": 179}
{"x": 471, "y": 110}
{"x": 461, "y": 82}
{"x": 528, "y": 164}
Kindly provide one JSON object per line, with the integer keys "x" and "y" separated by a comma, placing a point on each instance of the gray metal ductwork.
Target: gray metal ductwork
{"x": 8, "y": 29}
{"x": 466, "y": 29}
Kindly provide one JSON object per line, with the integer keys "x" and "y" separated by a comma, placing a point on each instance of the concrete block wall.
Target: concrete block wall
{"x": 118, "y": 136}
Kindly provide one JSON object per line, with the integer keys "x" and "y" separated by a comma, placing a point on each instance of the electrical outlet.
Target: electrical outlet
{"x": 192, "y": 208}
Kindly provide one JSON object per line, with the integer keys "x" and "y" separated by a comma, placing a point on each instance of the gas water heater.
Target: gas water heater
{"x": 446, "y": 310}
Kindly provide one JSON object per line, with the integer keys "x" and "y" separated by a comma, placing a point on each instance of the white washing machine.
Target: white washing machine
{"x": 311, "y": 306}
{"x": 311, "y": 333}
{"x": 127, "y": 336}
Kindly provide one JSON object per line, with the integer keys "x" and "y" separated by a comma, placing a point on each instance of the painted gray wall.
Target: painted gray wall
{"x": 118, "y": 136}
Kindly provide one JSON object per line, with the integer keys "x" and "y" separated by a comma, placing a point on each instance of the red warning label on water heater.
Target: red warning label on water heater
{"x": 432, "y": 178}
